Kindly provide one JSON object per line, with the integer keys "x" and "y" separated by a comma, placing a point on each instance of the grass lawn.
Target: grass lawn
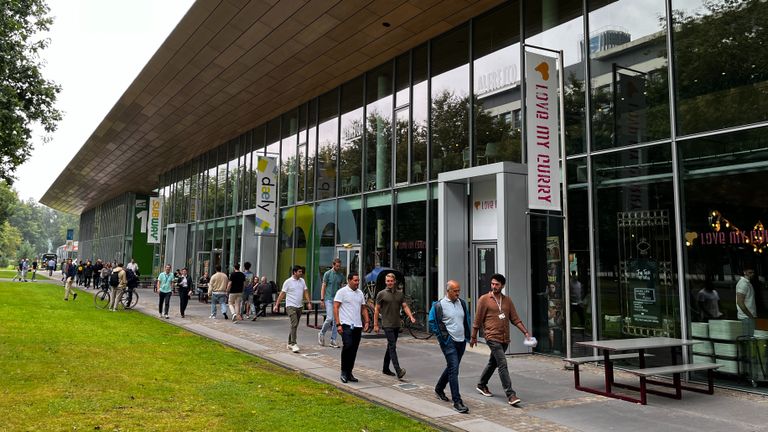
{"x": 40, "y": 274}
{"x": 69, "y": 366}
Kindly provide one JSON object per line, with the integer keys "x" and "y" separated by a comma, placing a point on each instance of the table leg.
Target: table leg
{"x": 642, "y": 358}
{"x": 608, "y": 370}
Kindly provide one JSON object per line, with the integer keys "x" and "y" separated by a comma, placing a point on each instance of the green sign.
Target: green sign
{"x": 142, "y": 251}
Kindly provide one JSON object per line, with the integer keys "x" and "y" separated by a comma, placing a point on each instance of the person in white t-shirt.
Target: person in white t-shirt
{"x": 133, "y": 266}
{"x": 745, "y": 303}
{"x": 347, "y": 307}
{"x": 295, "y": 293}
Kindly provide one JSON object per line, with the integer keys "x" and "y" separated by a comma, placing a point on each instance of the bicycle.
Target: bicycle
{"x": 103, "y": 298}
{"x": 420, "y": 328}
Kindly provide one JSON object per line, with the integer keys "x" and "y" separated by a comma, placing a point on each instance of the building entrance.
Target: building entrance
{"x": 483, "y": 267}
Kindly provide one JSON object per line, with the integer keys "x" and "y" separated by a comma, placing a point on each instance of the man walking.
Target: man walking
{"x": 294, "y": 290}
{"x": 332, "y": 280}
{"x": 235, "y": 289}
{"x": 165, "y": 288}
{"x": 69, "y": 273}
{"x": 449, "y": 321}
{"x": 388, "y": 304}
{"x": 347, "y": 305}
{"x": 247, "y": 304}
{"x": 746, "y": 309}
{"x": 184, "y": 286}
{"x": 217, "y": 292}
{"x": 118, "y": 273}
{"x": 494, "y": 312}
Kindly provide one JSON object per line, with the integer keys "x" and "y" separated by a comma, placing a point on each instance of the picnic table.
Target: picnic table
{"x": 616, "y": 349}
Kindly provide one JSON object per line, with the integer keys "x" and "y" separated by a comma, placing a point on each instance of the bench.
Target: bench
{"x": 675, "y": 371}
{"x": 576, "y": 361}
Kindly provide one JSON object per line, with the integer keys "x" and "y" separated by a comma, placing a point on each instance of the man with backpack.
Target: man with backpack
{"x": 69, "y": 274}
{"x": 132, "y": 282}
{"x": 118, "y": 281}
{"x": 449, "y": 321}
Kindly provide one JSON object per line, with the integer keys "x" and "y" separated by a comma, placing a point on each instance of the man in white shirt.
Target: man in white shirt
{"x": 133, "y": 267}
{"x": 347, "y": 307}
{"x": 745, "y": 303}
{"x": 294, "y": 290}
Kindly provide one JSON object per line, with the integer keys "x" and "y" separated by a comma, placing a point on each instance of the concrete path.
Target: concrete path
{"x": 550, "y": 403}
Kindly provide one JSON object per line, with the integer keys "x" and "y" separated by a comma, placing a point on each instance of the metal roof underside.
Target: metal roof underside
{"x": 230, "y": 65}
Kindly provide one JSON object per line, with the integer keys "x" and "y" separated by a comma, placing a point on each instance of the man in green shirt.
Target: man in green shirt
{"x": 332, "y": 280}
{"x": 164, "y": 287}
{"x": 388, "y": 303}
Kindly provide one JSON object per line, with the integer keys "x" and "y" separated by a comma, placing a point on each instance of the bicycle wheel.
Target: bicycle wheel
{"x": 124, "y": 300}
{"x": 101, "y": 299}
{"x": 419, "y": 329}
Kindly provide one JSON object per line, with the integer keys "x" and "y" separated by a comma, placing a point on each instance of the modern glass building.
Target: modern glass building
{"x": 373, "y": 112}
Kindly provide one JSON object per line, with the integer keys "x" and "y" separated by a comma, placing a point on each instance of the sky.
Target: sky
{"x": 97, "y": 48}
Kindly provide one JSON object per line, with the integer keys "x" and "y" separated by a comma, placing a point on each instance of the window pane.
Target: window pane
{"x": 419, "y": 107}
{"x": 351, "y": 147}
{"x": 401, "y": 148}
{"x": 379, "y": 128}
{"x": 378, "y": 220}
{"x": 288, "y": 163}
{"x": 411, "y": 242}
{"x": 327, "y": 144}
{"x": 720, "y": 63}
{"x": 450, "y": 101}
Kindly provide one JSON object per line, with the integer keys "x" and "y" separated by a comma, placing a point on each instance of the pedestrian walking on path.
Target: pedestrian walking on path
{"x": 347, "y": 306}
{"x": 449, "y": 321}
{"x": 332, "y": 280}
{"x": 494, "y": 312}
{"x": 388, "y": 304}
{"x": 217, "y": 292}
{"x": 184, "y": 286}
{"x": 69, "y": 275}
{"x": 235, "y": 288}
{"x": 294, "y": 291}
{"x": 165, "y": 288}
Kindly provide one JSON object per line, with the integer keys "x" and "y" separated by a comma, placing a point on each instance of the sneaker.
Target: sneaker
{"x": 460, "y": 407}
{"x": 513, "y": 399}
{"x": 295, "y": 348}
{"x": 166, "y": 316}
{"x": 483, "y": 389}
{"x": 401, "y": 373}
{"x": 321, "y": 338}
{"x": 212, "y": 317}
{"x": 74, "y": 296}
{"x": 66, "y": 299}
{"x": 333, "y": 344}
{"x": 441, "y": 395}
{"x": 225, "y": 316}
{"x": 388, "y": 372}
{"x": 289, "y": 346}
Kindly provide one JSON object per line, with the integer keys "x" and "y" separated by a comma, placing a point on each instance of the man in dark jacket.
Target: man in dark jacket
{"x": 449, "y": 321}
{"x": 71, "y": 272}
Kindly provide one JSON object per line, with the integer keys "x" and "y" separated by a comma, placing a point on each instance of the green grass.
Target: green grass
{"x": 43, "y": 275}
{"x": 69, "y": 366}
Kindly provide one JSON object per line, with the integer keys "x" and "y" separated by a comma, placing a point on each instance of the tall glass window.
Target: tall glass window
{"x": 324, "y": 241}
{"x": 378, "y": 128}
{"x": 288, "y": 158}
{"x": 351, "y": 147}
{"x": 301, "y": 156}
{"x": 497, "y": 104}
{"x": 559, "y": 25}
{"x": 628, "y": 68}
{"x": 720, "y": 63}
{"x": 221, "y": 183}
{"x": 311, "y": 150}
{"x": 636, "y": 259}
{"x": 450, "y": 101}
{"x": 378, "y": 225}
{"x": 410, "y": 242}
{"x": 327, "y": 144}
{"x": 419, "y": 110}
{"x": 253, "y": 173}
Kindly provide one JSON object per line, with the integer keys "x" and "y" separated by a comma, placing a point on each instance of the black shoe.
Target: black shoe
{"x": 352, "y": 378}
{"x": 388, "y": 372}
{"x": 74, "y": 296}
{"x": 225, "y": 316}
{"x": 182, "y": 315}
{"x": 400, "y": 373}
{"x": 344, "y": 378}
{"x": 460, "y": 407}
{"x": 441, "y": 395}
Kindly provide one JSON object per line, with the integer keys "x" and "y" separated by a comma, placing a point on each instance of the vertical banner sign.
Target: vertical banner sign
{"x": 155, "y": 222}
{"x": 542, "y": 137}
{"x": 141, "y": 250}
{"x": 70, "y": 234}
{"x": 266, "y": 207}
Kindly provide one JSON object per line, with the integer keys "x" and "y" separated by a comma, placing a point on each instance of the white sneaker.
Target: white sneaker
{"x": 334, "y": 345}
{"x": 295, "y": 348}
{"x": 166, "y": 316}
{"x": 290, "y": 347}
{"x": 212, "y": 317}
{"x": 320, "y": 338}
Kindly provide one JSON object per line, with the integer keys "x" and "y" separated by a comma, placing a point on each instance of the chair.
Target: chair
{"x": 491, "y": 153}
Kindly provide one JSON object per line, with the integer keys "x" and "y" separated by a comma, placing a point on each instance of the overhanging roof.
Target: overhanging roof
{"x": 230, "y": 65}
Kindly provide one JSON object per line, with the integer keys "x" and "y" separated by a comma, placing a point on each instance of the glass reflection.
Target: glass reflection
{"x": 378, "y": 129}
{"x": 351, "y": 146}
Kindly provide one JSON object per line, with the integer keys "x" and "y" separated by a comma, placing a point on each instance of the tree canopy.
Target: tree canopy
{"x": 26, "y": 97}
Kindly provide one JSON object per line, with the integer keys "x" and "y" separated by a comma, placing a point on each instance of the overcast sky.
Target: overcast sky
{"x": 97, "y": 49}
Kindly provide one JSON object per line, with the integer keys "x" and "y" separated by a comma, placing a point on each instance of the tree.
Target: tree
{"x": 26, "y": 97}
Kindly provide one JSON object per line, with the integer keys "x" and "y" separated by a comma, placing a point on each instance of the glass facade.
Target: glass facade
{"x": 665, "y": 144}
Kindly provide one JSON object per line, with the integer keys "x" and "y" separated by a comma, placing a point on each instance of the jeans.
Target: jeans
{"x": 497, "y": 360}
{"x": 165, "y": 300}
{"x": 350, "y": 336}
{"x": 330, "y": 321}
{"x": 183, "y": 300}
{"x": 453, "y": 352}
{"x": 220, "y": 298}
{"x": 294, "y": 313}
{"x": 391, "y": 354}
{"x": 747, "y": 326}
{"x": 235, "y": 303}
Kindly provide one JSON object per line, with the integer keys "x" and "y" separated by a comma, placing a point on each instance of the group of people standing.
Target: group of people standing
{"x": 23, "y": 267}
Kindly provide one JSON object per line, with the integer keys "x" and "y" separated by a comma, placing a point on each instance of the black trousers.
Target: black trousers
{"x": 183, "y": 300}
{"x": 165, "y": 299}
{"x": 350, "y": 336}
{"x": 391, "y": 354}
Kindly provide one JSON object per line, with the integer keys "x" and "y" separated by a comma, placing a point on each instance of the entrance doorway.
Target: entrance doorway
{"x": 483, "y": 267}
{"x": 203, "y": 263}
{"x": 350, "y": 259}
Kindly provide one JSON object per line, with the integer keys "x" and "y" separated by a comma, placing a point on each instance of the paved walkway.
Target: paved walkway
{"x": 550, "y": 403}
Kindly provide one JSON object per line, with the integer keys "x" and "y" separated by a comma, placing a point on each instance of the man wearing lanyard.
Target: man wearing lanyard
{"x": 165, "y": 289}
{"x": 347, "y": 305}
{"x": 494, "y": 312}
